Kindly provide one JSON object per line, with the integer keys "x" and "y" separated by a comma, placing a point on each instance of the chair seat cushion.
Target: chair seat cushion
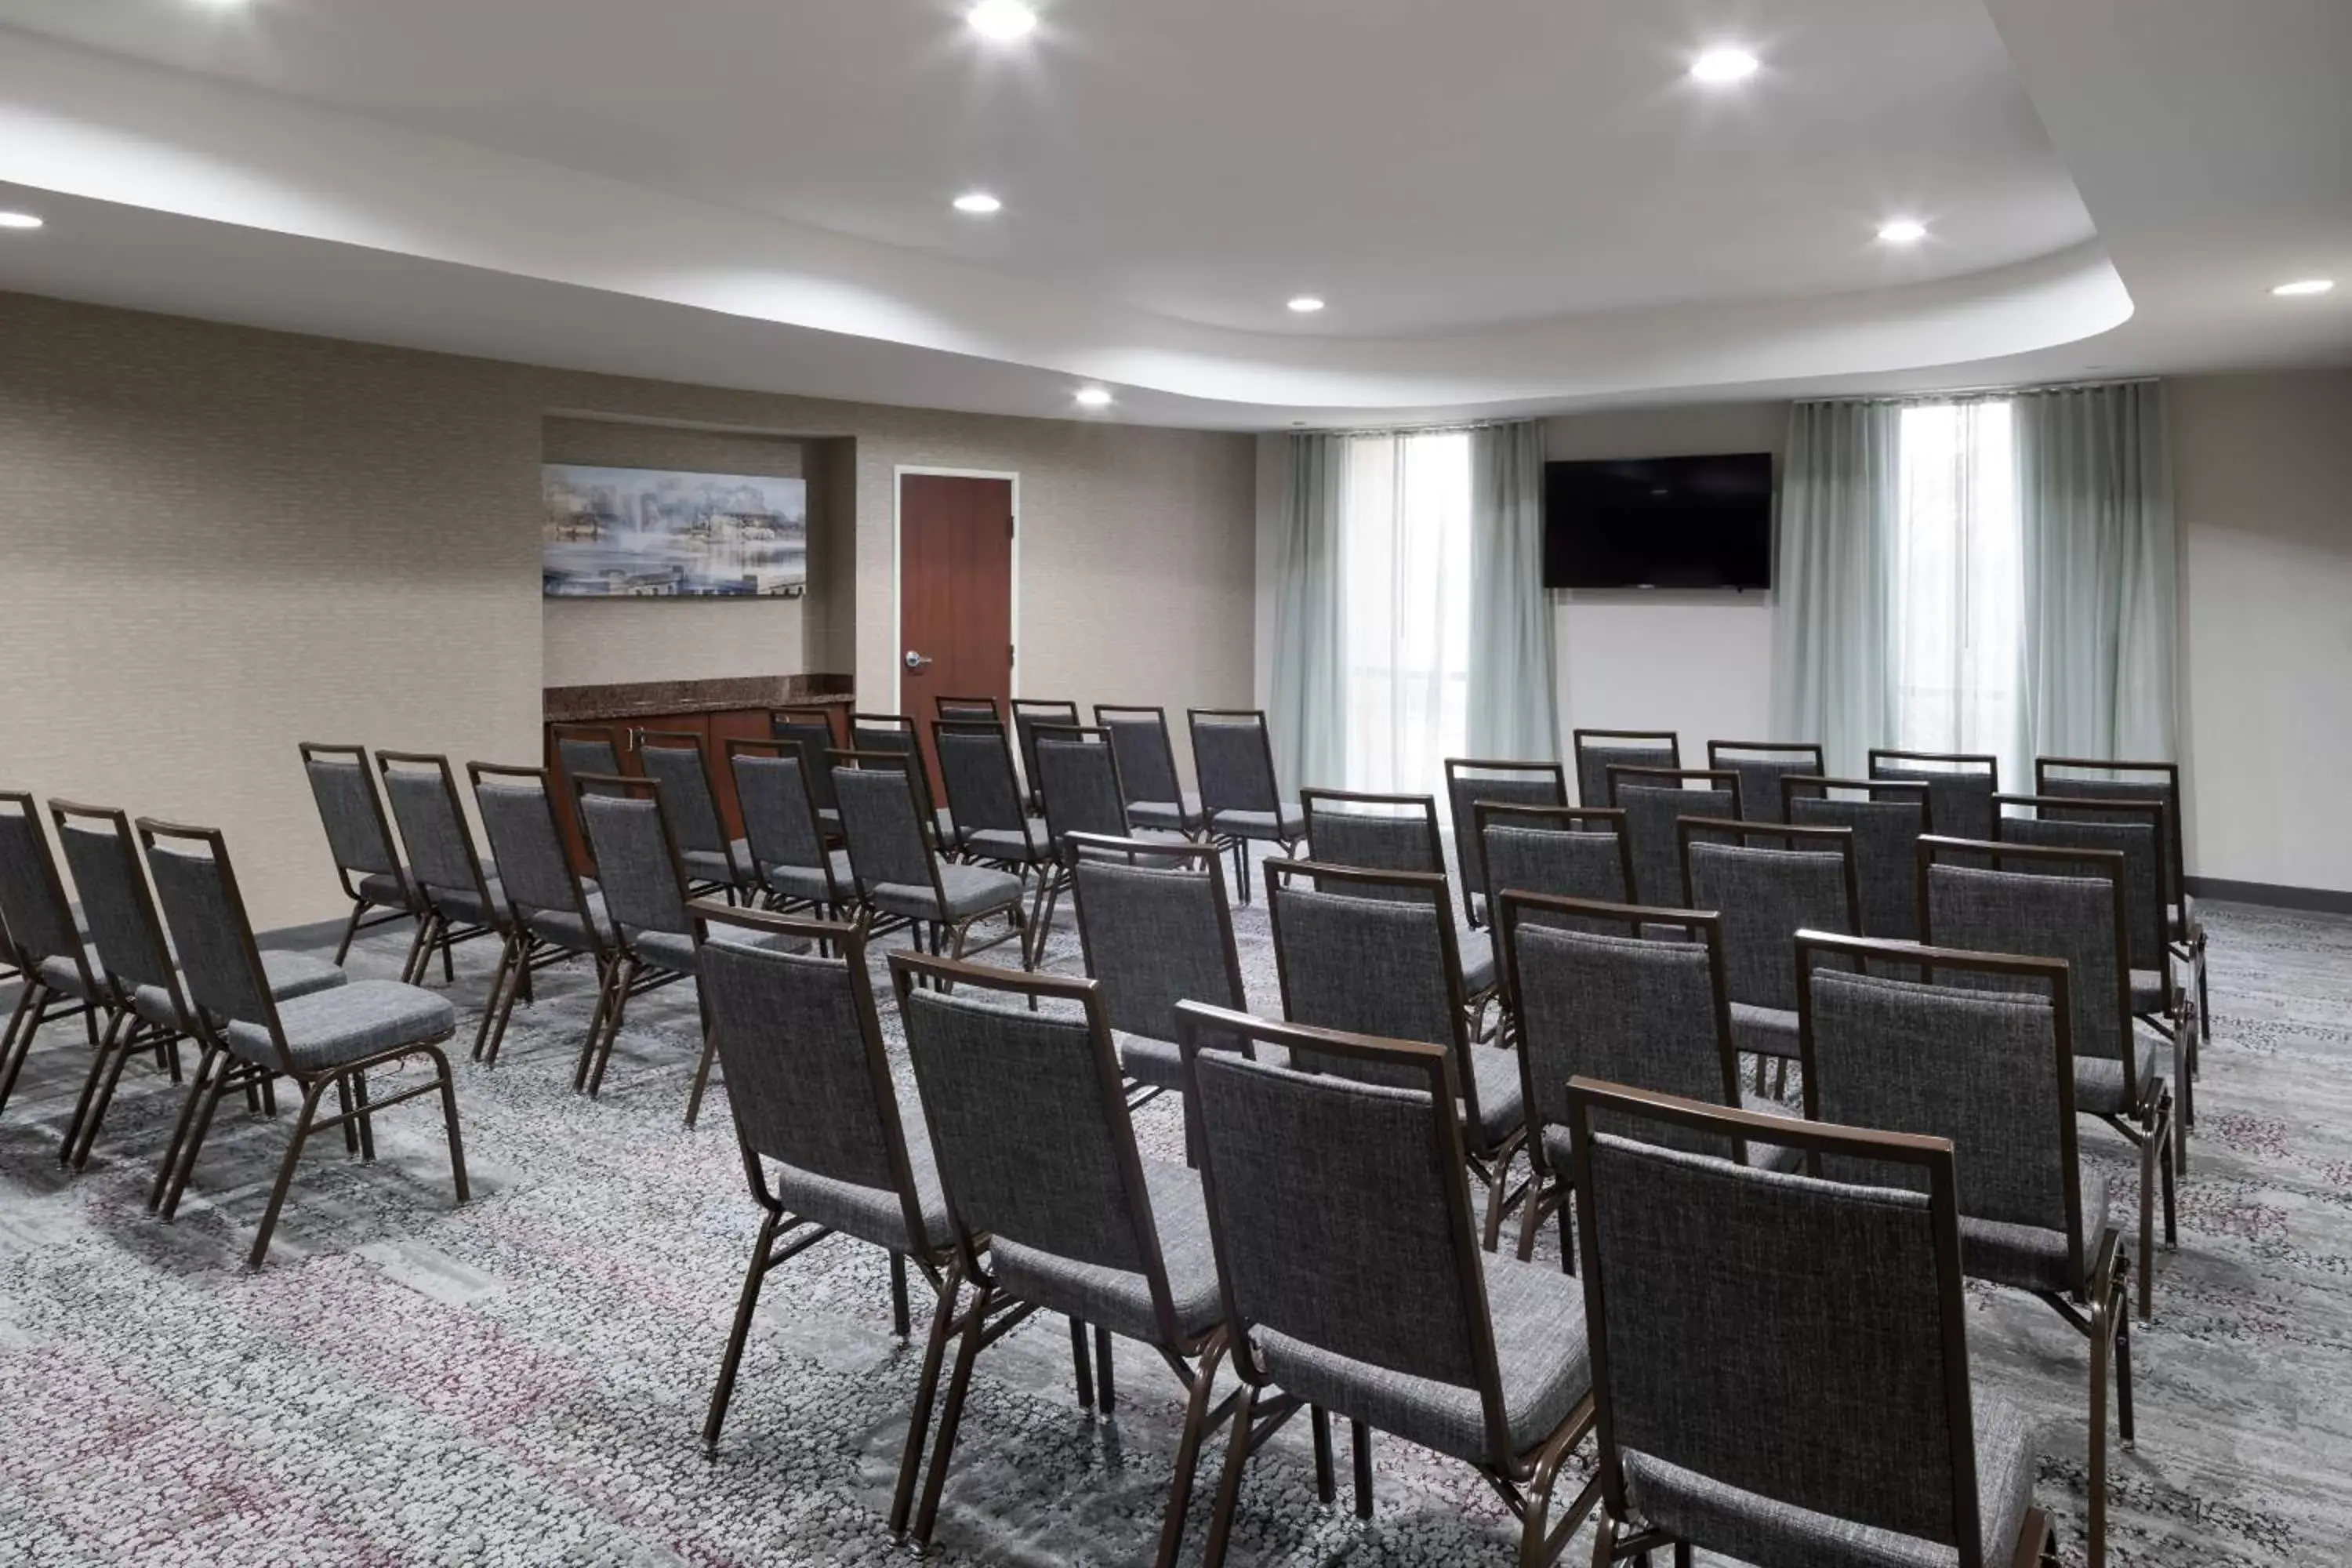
{"x": 876, "y": 1214}
{"x": 1181, "y": 816}
{"x": 464, "y": 905}
{"x": 1502, "y": 1098}
{"x": 350, "y": 1023}
{"x": 2148, "y": 992}
{"x": 58, "y": 972}
{"x": 1115, "y": 1299}
{"x": 1026, "y": 846}
{"x": 1765, "y": 1031}
{"x": 712, "y": 866}
{"x": 1477, "y": 952}
{"x": 563, "y": 929}
{"x": 964, "y": 891}
{"x": 1539, "y": 1348}
{"x": 2032, "y": 1257}
{"x": 1290, "y": 826}
{"x": 674, "y": 951}
{"x": 382, "y": 888}
{"x": 2099, "y": 1080}
{"x": 291, "y": 974}
{"x": 1751, "y": 1528}
{"x": 808, "y": 882}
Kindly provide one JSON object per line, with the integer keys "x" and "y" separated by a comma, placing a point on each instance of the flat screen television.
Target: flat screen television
{"x": 1659, "y": 522}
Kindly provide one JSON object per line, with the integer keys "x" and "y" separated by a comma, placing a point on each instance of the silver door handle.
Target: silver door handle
{"x": 916, "y": 660}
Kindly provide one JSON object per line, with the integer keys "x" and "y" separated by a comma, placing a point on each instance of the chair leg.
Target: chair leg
{"x": 449, "y": 1125}
{"x": 1082, "y": 1365}
{"x": 952, "y": 1415}
{"x": 605, "y": 968}
{"x": 351, "y": 1122}
{"x": 625, "y": 976}
{"x": 1197, "y": 1405}
{"x": 448, "y": 962}
{"x": 194, "y": 1141}
{"x": 351, "y": 930}
{"x": 1360, "y": 1445}
{"x": 123, "y": 1051}
{"x": 90, "y": 1080}
{"x": 31, "y": 1006}
{"x": 499, "y": 979}
{"x": 2095, "y": 1487}
{"x": 488, "y": 1057}
{"x": 926, "y": 1391}
{"x": 1228, "y": 1481}
{"x": 286, "y": 1172}
{"x": 2152, "y": 1134}
{"x": 366, "y": 1119}
{"x": 1106, "y": 1394}
{"x": 1327, "y": 1485}
{"x": 702, "y": 1066}
{"x": 206, "y": 1062}
{"x": 746, "y": 1306}
{"x": 412, "y": 968}
{"x": 898, "y": 1317}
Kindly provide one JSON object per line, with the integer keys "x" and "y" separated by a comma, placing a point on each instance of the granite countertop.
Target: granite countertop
{"x": 643, "y": 699}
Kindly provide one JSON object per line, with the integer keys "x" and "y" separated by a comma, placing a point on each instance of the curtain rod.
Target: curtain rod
{"x": 1955, "y": 394}
{"x": 1449, "y": 428}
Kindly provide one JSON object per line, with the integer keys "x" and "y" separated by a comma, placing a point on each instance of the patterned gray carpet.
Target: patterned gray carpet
{"x": 521, "y": 1381}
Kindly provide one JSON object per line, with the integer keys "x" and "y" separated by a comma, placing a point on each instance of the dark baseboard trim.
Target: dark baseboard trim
{"x": 323, "y": 933}
{"x": 2325, "y": 901}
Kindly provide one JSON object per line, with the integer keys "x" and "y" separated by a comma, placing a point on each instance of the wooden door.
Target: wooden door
{"x": 955, "y": 595}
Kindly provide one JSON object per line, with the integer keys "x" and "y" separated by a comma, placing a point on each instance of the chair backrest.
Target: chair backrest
{"x": 1960, "y": 786}
{"x": 673, "y": 759}
{"x": 797, "y": 1034}
{"x": 1597, "y": 750}
{"x": 1593, "y": 995}
{"x": 1886, "y": 818}
{"x": 1374, "y": 833}
{"x": 2135, "y": 828}
{"x": 582, "y": 749}
{"x": 779, "y": 820}
{"x": 893, "y": 735}
{"x": 1154, "y": 926}
{"x": 535, "y": 874}
{"x": 1028, "y": 713}
{"x": 812, "y": 731}
{"x": 1319, "y": 1185}
{"x": 981, "y": 709}
{"x": 1840, "y": 1386}
{"x": 2083, "y": 778}
{"x": 358, "y": 835}
{"x": 2065, "y": 904}
{"x": 38, "y": 921}
{"x": 1147, "y": 758}
{"x": 1234, "y": 756}
{"x": 976, "y": 775}
{"x": 422, "y": 791}
{"x": 1028, "y": 1118}
{"x": 1992, "y": 1071}
{"x": 1653, "y": 800}
{"x": 205, "y": 911}
{"x": 1800, "y": 878}
{"x": 1471, "y": 780}
{"x": 1564, "y": 851}
{"x": 103, "y": 856}
{"x": 1078, "y": 782}
{"x": 1761, "y": 765}
{"x": 882, "y": 822}
{"x": 637, "y": 864}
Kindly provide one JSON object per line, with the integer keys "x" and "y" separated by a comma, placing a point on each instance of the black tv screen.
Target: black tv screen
{"x": 1659, "y": 522}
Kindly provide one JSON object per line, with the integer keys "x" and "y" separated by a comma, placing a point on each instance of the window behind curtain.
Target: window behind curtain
{"x": 1959, "y": 599}
{"x": 1405, "y": 549}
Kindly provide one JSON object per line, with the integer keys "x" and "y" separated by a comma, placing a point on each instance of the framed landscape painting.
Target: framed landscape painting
{"x": 644, "y": 533}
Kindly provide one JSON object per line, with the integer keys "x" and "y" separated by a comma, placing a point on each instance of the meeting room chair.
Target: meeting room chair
{"x": 715, "y": 862}
{"x": 892, "y": 734}
{"x": 2158, "y": 782}
{"x": 990, "y": 822}
{"x": 1994, "y": 1072}
{"x": 1595, "y": 752}
{"x": 1798, "y": 879}
{"x": 1761, "y": 766}
{"x": 1724, "y": 1428}
{"x": 460, "y": 897}
{"x": 582, "y": 749}
{"x": 793, "y": 862}
{"x": 1473, "y": 781}
{"x": 1960, "y": 786}
{"x": 554, "y": 915}
{"x": 901, "y": 880}
{"x": 1037, "y": 1154}
{"x": 810, "y": 731}
{"x": 1156, "y": 796}
{"x": 1887, "y": 817}
{"x": 324, "y": 1040}
{"x": 1394, "y": 833}
{"x": 1353, "y": 1277}
{"x": 1028, "y": 713}
{"x": 1653, "y": 800}
{"x": 1243, "y": 800}
{"x": 1080, "y": 790}
{"x": 367, "y": 861}
{"x": 58, "y": 977}
{"x": 1563, "y": 851}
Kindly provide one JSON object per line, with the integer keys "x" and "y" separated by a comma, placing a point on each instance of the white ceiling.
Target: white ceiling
{"x": 1510, "y": 206}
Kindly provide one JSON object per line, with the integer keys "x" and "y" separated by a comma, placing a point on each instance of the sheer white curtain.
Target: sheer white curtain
{"x": 1960, "y": 585}
{"x": 1405, "y": 548}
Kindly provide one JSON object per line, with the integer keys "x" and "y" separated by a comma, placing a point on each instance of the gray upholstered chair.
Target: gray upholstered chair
{"x": 2067, "y": 904}
{"x": 784, "y": 831}
{"x": 1778, "y": 1413}
{"x": 714, "y": 861}
{"x": 1800, "y": 878}
{"x": 554, "y": 914}
{"x": 460, "y": 896}
{"x": 1394, "y": 833}
{"x": 1155, "y": 930}
{"x": 1653, "y": 800}
{"x": 1233, "y": 756}
{"x": 1156, "y": 796}
{"x": 1887, "y": 817}
{"x": 37, "y": 922}
{"x": 586, "y": 748}
{"x": 1622, "y": 993}
{"x": 901, "y": 880}
{"x": 1960, "y": 786}
{"x": 1028, "y": 713}
{"x": 1471, "y": 780}
{"x": 1761, "y": 765}
{"x": 2142, "y": 782}
{"x": 810, "y": 732}
{"x": 367, "y": 862}
{"x": 829, "y": 1144}
{"x": 1361, "y": 950}
{"x": 1565, "y": 851}
{"x": 989, "y": 820}
{"x": 1992, "y": 1071}
{"x": 1595, "y": 752}
{"x": 1353, "y": 1278}
{"x": 1078, "y": 784}
{"x": 874, "y": 735}
{"x": 131, "y": 964}
{"x": 328, "y": 1039}
{"x": 1036, "y": 1154}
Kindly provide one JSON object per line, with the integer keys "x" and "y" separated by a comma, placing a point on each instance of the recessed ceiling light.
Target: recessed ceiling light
{"x": 1093, "y": 397}
{"x": 19, "y": 220}
{"x": 2305, "y": 286}
{"x": 1002, "y": 21}
{"x": 977, "y": 201}
{"x": 1718, "y": 66}
{"x": 1903, "y": 231}
{"x": 1306, "y": 304}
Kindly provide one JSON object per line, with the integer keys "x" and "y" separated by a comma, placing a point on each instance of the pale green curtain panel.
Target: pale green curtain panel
{"x": 2102, "y": 594}
{"x": 1514, "y": 708}
{"x": 1308, "y": 706}
{"x": 1834, "y": 650}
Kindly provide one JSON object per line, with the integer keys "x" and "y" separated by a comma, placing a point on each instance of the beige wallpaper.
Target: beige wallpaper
{"x": 220, "y": 541}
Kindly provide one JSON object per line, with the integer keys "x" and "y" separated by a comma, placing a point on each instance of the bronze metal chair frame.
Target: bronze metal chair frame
{"x": 784, "y": 1235}
{"x": 1526, "y": 1480}
{"x": 1716, "y": 750}
{"x": 411, "y": 909}
{"x": 994, "y": 1311}
{"x": 2152, "y": 1135}
{"x": 220, "y": 1069}
{"x": 438, "y": 929}
{"x": 966, "y": 710}
{"x": 1025, "y": 722}
{"x": 1475, "y": 843}
{"x": 525, "y": 952}
{"x": 951, "y": 938}
{"x": 1673, "y": 747}
{"x": 1106, "y": 712}
{"x": 1933, "y": 1155}
{"x": 1238, "y": 842}
{"x": 836, "y": 900}
{"x": 37, "y": 1000}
